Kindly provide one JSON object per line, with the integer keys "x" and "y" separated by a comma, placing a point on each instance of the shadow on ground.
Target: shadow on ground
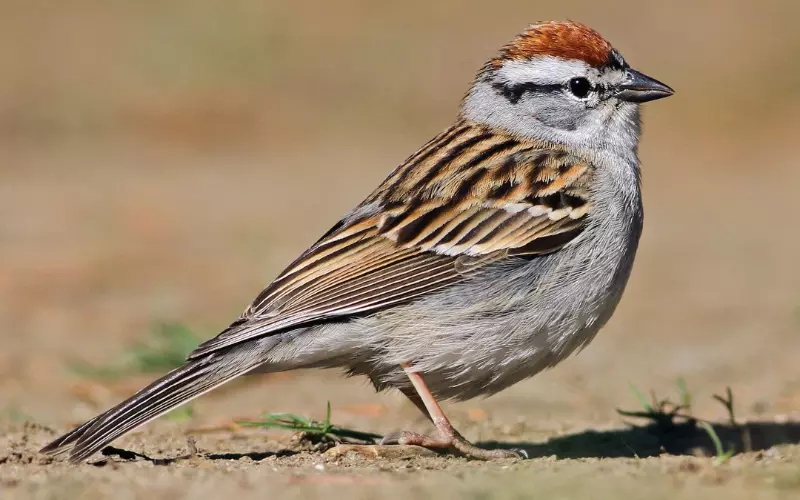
{"x": 653, "y": 440}
{"x": 256, "y": 456}
{"x": 647, "y": 441}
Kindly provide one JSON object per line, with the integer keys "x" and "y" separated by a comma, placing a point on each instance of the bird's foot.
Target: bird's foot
{"x": 416, "y": 439}
{"x": 456, "y": 442}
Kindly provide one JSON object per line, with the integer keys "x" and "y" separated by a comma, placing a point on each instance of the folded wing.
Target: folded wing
{"x": 412, "y": 239}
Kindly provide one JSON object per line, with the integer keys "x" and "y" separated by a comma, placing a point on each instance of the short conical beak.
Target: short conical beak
{"x": 641, "y": 88}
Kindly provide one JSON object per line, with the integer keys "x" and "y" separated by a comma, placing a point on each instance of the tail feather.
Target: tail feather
{"x": 66, "y": 442}
{"x": 179, "y": 386}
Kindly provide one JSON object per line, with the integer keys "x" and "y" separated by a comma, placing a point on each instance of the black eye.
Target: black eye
{"x": 580, "y": 87}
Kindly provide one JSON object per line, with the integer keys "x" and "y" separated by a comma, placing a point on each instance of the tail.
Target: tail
{"x": 183, "y": 384}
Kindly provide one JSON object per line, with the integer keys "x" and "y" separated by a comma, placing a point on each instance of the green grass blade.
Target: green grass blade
{"x": 296, "y": 423}
{"x": 641, "y": 398}
{"x": 684, "y": 394}
{"x": 722, "y": 455}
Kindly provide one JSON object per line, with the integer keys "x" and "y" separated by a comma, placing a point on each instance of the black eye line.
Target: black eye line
{"x": 616, "y": 61}
{"x": 514, "y": 92}
{"x": 605, "y": 91}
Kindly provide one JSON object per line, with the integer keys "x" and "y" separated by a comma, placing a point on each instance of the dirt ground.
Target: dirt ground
{"x": 163, "y": 161}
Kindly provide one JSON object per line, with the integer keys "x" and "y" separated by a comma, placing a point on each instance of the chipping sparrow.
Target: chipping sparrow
{"x": 493, "y": 252}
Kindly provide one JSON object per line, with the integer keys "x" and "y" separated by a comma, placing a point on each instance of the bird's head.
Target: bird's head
{"x": 562, "y": 82}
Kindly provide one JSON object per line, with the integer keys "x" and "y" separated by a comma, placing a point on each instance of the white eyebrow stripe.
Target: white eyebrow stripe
{"x": 544, "y": 70}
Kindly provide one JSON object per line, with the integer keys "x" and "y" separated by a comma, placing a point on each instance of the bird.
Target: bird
{"x": 493, "y": 252}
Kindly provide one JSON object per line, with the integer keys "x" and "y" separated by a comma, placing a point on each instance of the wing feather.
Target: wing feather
{"x": 430, "y": 225}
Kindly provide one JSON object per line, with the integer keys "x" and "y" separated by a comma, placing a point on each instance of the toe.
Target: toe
{"x": 391, "y": 438}
{"x": 414, "y": 438}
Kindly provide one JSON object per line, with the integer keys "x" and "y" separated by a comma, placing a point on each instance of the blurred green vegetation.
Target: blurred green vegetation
{"x": 168, "y": 347}
{"x": 204, "y": 72}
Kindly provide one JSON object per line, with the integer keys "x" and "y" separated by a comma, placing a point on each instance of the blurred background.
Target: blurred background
{"x": 162, "y": 162}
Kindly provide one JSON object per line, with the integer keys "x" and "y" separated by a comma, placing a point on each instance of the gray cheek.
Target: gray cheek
{"x": 558, "y": 114}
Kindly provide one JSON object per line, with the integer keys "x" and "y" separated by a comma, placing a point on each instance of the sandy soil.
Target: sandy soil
{"x": 577, "y": 464}
{"x": 189, "y": 172}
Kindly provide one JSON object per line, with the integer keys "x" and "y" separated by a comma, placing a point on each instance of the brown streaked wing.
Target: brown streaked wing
{"x": 352, "y": 279}
{"x": 515, "y": 199}
{"x": 504, "y": 203}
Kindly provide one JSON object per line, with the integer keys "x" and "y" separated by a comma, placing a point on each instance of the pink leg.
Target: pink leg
{"x": 447, "y": 437}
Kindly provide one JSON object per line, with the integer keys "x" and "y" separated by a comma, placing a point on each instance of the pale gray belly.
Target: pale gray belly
{"x": 484, "y": 334}
{"x": 492, "y": 331}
